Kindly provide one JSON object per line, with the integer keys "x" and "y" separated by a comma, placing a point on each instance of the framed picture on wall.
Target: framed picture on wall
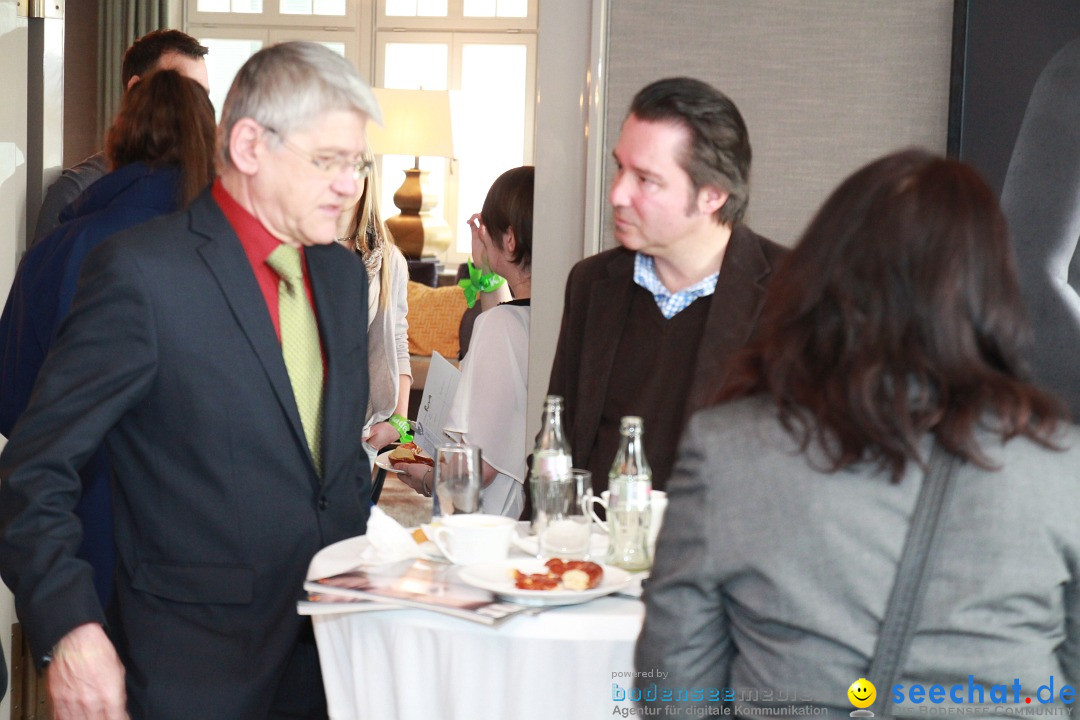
{"x": 999, "y": 49}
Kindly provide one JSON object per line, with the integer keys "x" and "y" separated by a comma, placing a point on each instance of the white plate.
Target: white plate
{"x": 498, "y": 577}
{"x": 528, "y": 544}
{"x": 382, "y": 460}
{"x": 349, "y": 554}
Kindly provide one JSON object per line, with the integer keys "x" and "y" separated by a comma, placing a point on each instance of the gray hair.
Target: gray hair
{"x": 285, "y": 86}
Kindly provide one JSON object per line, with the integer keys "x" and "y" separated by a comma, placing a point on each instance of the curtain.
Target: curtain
{"x": 120, "y": 23}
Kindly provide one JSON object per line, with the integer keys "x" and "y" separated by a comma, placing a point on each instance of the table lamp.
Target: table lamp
{"x": 417, "y": 123}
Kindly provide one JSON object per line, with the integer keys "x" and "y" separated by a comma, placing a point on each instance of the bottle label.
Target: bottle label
{"x": 554, "y": 465}
{"x": 630, "y": 493}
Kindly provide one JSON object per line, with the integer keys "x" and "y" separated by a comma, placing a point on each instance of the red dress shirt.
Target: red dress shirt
{"x": 258, "y": 243}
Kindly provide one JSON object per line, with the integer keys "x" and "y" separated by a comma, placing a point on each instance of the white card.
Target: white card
{"x": 439, "y": 390}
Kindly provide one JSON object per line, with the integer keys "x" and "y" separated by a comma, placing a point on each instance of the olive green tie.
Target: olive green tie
{"x": 300, "y": 345}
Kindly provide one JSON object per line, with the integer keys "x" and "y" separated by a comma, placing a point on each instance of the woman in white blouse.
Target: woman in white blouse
{"x": 489, "y": 407}
{"x": 389, "y": 371}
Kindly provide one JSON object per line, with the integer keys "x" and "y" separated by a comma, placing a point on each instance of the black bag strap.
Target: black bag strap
{"x": 905, "y": 601}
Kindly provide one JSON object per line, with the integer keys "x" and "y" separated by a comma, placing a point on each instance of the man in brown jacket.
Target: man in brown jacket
{"x": 648, "y": 327}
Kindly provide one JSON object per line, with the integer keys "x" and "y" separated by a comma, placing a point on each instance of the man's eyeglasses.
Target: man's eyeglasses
{"x": 331, "y": 165}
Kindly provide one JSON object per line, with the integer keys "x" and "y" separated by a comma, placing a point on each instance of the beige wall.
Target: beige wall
{"x": 824, "y": 86}
{"x": 13, "y": 156}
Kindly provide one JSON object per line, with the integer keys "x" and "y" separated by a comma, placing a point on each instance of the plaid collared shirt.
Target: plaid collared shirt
{"x": 670, "y": 304}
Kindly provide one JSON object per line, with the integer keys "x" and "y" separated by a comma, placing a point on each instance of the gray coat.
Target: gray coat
{"x": 771, "y": 575}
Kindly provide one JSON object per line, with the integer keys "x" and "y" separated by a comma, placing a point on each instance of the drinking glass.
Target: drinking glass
{"x": 657, "y": 504}
{"x": 563, "y": 513}
{"x": 457, "y": 480}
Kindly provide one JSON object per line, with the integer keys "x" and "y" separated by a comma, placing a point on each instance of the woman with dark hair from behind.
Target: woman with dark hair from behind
{"x": 895, "y": 324}
{"x": 161, "y": 152}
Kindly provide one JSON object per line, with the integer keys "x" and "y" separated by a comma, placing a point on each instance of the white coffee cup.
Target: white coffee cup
{"x": 474, "y": 538}
{"x": 658, "y": 503}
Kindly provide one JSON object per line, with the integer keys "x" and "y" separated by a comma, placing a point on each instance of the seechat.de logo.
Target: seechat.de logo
{"x": 862, "y": 694}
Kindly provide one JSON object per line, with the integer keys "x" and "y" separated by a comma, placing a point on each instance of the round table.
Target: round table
{"x": 411, "y": 664}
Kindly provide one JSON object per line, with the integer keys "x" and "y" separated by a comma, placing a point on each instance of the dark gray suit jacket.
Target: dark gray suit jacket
{"x": 169, "y": 354}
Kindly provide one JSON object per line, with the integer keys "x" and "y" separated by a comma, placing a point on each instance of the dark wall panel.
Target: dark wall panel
{"x": 82, "y": 136}
{"x": 1000, "y": 47}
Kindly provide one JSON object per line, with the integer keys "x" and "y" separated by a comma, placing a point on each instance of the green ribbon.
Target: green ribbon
{"x": 478, "y": 282}
{"x": 401, "y": 424}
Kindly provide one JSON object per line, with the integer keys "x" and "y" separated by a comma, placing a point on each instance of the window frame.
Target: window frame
{"x": 456, "y": 41}
{"x": 272, "y": 27}
{"x": 271, "y": 15}
{"x": 456, "y": 20}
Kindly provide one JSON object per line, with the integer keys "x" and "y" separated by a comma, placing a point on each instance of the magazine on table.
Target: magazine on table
{"x": 420, "y": 584}
{"x": 322, "y": 603}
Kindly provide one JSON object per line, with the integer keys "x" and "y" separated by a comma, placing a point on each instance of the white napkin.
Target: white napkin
{"x": 388, "y": 542}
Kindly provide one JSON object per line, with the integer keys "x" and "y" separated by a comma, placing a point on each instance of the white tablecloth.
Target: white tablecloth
{"x": 415, "y": 664}
{"x": 422, "y": 665}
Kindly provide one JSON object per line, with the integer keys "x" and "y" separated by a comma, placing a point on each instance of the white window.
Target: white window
{"x": 234, "y": 30}
{"x": 272, "y": 12}
{"x": 483, "y": 51}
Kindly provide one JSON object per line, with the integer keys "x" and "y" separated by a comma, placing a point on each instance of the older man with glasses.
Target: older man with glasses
{"x": 221, "y": 354}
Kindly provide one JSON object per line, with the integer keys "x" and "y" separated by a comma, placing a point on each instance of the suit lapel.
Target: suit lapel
{"x": 225, "y": 258}
{"x": 340, "y": 327}
{"x": 609, "y": 305}
{"x": 733, "y": 314}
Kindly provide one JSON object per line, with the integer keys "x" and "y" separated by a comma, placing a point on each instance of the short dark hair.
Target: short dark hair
{"x": 509, "y": 206}
{"x": 898, "y": 314}
{"x": 718, "y": 153}
{"x": 166, "y": 119}
{"x": 144, "y": 53}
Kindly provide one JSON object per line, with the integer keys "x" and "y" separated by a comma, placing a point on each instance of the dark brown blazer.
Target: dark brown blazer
{"x": 596, "y": 307}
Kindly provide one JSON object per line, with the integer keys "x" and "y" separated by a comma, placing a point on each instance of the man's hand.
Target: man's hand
{"x": 86, "y": 677}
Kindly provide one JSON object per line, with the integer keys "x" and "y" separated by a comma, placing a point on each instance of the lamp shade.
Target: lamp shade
{"x": 415, "y": 122}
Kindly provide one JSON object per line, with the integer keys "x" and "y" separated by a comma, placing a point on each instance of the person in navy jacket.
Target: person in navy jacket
{"x": 161, "y": 147}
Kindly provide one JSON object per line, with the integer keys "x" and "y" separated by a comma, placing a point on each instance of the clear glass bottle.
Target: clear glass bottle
{"x": 551, "y": 459}
{"x": 629, "y": 512}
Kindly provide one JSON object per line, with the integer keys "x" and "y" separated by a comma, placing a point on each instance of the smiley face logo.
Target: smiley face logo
{"x": 862, "y": 693}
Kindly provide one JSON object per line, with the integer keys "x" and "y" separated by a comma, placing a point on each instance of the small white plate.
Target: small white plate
{"x": 351, "y": 552}
{"x": 498, "y": 577}
{"x": 529, "y": 544}
{"x": 382, "y": 460}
